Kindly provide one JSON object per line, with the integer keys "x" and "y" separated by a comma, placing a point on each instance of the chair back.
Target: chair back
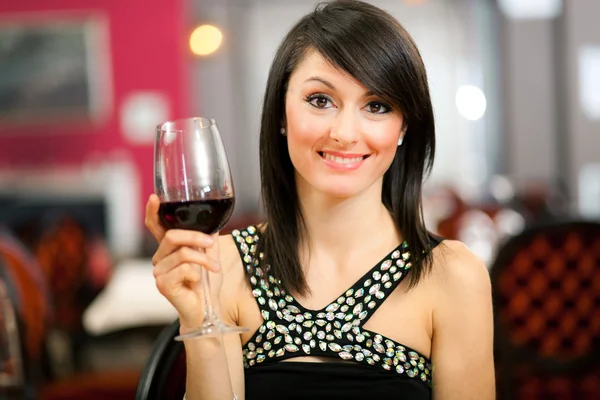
{"x": 27, "y": 290}
{"x": 12, "y": 385}
{"x": 164, "y": 375}
{"x": 546, "y": 288}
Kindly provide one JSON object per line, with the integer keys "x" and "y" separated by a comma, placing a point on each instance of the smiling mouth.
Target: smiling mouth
{"x": 342, "y": 160}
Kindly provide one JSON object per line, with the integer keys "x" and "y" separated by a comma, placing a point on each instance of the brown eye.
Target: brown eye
{"x": 319, "y": 101}
{"x": 376, "y": 107}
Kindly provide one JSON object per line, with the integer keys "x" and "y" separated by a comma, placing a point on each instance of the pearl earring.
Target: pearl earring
{"x": 282, "y": 131}
{"x": 401, "y": 139}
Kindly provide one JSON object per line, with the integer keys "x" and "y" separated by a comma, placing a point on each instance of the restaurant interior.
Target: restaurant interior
{"x": 515, "y": 87}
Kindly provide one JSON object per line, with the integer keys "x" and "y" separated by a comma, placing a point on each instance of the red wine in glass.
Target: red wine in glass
{"x": 208, "y": 216}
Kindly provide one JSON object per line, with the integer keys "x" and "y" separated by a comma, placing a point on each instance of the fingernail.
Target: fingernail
{"x": 207, "y": 240}
{"x": 216, "y": 266}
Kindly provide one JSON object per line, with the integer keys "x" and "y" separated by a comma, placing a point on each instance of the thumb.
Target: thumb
{"x": 152, "y": 220}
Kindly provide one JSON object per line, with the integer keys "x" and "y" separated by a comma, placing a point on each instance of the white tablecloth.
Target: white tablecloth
{"x": 130, "y": 300}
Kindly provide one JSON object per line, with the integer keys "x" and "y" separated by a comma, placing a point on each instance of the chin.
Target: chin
{"x": 338, "y": 187}
{"x": 341, "y": 190}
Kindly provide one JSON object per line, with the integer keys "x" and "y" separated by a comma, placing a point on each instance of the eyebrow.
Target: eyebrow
{"x": 323, "y": 81}
{"x": 330, "y": 85}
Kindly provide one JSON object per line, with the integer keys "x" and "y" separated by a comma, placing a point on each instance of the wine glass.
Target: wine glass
{"x": 193, "y": 181}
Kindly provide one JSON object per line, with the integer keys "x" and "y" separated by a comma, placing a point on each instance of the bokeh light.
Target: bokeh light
{"x": 205, "y": 40}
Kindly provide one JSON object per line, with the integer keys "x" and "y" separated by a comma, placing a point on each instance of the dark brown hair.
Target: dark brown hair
{"x": 371, "y": 46}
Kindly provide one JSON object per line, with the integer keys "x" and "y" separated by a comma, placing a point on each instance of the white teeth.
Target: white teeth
{"x": 341, "y": 160}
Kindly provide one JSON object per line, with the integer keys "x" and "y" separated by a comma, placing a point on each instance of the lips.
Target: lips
{"x": 343, "y": 161}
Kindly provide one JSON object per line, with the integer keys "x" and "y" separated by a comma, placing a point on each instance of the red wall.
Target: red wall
{"x": 148, "y": 50}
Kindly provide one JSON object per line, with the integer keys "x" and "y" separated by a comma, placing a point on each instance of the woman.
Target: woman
{"x": 345, "y": 292}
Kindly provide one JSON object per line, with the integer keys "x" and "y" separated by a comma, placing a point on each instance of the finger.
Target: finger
{"x": 175, "y": 238}
{"x": 186, "y": 275}
{"x": 213, "y": 251}
{"x": 185, "y": 255}
{"x": 152, "y": 219}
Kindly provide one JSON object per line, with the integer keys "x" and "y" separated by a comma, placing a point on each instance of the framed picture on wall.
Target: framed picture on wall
{"x": 53, "y": 68}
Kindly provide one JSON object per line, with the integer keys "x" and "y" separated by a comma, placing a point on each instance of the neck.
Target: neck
{"x": 337, "y": 225}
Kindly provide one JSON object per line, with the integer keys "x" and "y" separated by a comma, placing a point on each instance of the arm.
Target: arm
{"x": 214, "y": 365}
{"x": 462, "y": 349}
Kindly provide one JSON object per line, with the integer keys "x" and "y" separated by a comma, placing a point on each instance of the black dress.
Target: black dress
{"x": 381, "y": 367}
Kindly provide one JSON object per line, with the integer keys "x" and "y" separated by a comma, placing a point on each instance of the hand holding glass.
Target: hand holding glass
{"x": 193, "y": 181}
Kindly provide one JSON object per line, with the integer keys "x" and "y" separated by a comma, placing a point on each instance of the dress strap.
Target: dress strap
{"x": 246, "y": 241}
{"x": 369, "y": 293}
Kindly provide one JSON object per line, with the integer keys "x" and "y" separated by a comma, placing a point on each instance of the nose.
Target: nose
{"x": 345, "y": 129}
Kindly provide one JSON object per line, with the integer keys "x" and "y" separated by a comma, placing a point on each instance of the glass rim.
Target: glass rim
{"x": 203, "y": 122}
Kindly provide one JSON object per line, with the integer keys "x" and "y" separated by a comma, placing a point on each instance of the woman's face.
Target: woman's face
{"x": 341, "y": 138}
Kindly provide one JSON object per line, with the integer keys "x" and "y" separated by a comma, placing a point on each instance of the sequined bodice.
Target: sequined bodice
{"x": 290, "y": 330}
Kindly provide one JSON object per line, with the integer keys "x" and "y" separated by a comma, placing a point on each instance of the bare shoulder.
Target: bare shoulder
{"x": 457, "y": 270}
{"x": 462, "y": 316}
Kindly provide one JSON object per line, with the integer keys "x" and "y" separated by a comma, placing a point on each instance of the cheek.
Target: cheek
{"x": 304, "y": 129}
{"x": 386, "y": 142}
{"x": 299, "y": 139}
{"x": 384, "y": 138}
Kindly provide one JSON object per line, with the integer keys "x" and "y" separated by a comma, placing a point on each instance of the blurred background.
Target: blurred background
{"x": 516, "y": 92}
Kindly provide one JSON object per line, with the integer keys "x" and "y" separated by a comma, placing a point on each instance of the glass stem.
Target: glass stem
{"x": 209, "y": 312}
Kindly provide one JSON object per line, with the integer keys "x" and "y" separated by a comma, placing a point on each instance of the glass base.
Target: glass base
{"x": 211, "y": 329}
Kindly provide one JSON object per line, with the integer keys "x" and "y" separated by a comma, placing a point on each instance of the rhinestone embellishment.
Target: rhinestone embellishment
{"x": 337, "y": 330}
